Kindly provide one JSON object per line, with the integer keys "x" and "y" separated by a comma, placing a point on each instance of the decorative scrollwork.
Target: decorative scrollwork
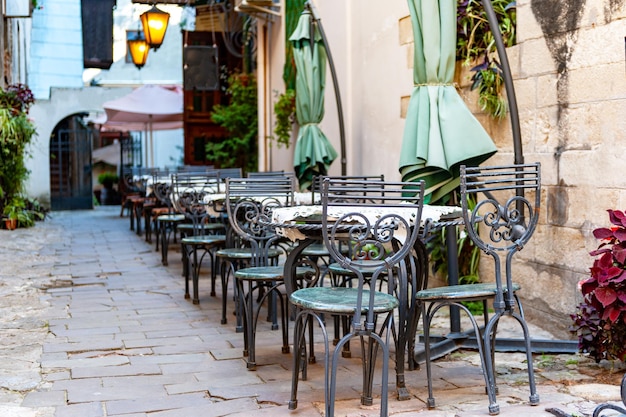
{"x": 506, "y": 223}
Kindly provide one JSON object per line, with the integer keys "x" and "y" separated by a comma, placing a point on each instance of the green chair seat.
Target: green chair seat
{"x": 171, "y": 218}
{"x": 188, "y": 228}
{"x": 203, "y": 240}
{"x": 335, "y": 268}
{"x": 462, "y": 292}
{"x": 268, "y": 273}
{"x": 316, "y": 249}
{"x": 340, "y": 300}
{"x": 244, "y": 253}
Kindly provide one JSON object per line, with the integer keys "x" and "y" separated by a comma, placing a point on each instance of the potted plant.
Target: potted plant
{"x": 600, "y": 320}
{"x": 16, "y": 214}
{"x": 109, "y": 194}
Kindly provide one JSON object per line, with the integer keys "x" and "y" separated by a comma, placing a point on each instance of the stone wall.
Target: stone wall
{"x": 570, "y": 82}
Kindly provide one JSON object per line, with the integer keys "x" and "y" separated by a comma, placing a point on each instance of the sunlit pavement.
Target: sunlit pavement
{"x": 93, "y": 325}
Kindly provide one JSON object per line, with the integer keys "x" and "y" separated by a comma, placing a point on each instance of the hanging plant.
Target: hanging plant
{"x": 475, "y": 43}
{"x": 285, "y": 112}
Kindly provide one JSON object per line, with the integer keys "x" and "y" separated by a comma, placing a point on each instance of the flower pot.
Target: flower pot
{"x": 10, "y": 224}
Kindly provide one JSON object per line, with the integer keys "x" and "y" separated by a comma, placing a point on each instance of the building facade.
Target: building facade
{"x": 570, "y": 81}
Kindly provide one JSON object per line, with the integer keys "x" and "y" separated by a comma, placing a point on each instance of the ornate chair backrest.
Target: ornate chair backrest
{"x": 503, "y": 221}
{"x": 195, "y": 168}
{"x": 377, "y": 182}
{"x": 136, "y": 179}
{"x": 162, "y": 188}
{"x": 190, "y": 196}
{"x": 381, "y": 220}
{"x": 263, "y": 174}
{"x": 224, "y": 173}
{"x": 274, "y": 174}
{"x": 249, "y": 204}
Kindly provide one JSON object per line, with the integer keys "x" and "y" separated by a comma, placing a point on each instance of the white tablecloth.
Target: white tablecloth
{"x": 311, "y": 213}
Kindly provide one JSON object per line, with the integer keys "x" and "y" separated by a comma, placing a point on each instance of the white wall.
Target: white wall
{"x": 56, "y": 49}
{"x": 373, "y": 73}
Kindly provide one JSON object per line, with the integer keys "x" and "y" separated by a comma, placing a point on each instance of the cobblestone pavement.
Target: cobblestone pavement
{"x": 93, "y": 325}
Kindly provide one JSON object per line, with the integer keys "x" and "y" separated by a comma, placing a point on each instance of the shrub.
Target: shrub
{"x": 600, "y": 320}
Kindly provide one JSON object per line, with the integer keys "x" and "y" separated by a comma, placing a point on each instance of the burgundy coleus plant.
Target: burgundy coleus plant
{"x": 600, "y": 321}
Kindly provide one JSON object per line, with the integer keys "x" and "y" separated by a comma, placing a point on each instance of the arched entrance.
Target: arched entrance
{"x": 70, "y": 164}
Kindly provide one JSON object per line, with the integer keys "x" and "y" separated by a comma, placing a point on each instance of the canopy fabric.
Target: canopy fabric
{"x": 147, "y": 104}
{"x": 149, "y": 107}
{"x": 440, "y": 133}
{"x": 106, "y": 125}
{"x": 313, "y": 152}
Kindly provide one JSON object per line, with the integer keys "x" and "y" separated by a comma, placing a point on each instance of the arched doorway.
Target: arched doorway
{"x": 70, "y": 164}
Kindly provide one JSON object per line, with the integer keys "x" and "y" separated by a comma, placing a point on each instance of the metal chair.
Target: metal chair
{"x": 165, "y": 221}
{"x": 209, "y": 180}
{"x": 383, "y": 230}
{"x": 508, "y": 215}
{"x": 236, "y": 254}
{"x": 189, "y": 196}
{"x": 134, "y": 182}
{"x": 249, "y": 204}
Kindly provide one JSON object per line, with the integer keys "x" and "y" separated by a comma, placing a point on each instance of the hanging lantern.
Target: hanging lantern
{"x": 154, "y": 23}
{"x": 138, "y": 49}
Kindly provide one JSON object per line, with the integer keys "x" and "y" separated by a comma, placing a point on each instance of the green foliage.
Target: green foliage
{"x": 107, "y": 179}
{"x": 475, "y": 43}
{"x": 600, "y": 320}
{"x": 25, "y": 211}
{"x": 16, "y": 133}
{"x": 285, "y": 111}
{"x": 240, "y": 119}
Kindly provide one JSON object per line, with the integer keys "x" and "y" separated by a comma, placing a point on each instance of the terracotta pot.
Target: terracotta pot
{"x": 10, "y": 224}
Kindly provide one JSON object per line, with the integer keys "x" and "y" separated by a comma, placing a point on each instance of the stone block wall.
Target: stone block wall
{"x": 569, "y": 70}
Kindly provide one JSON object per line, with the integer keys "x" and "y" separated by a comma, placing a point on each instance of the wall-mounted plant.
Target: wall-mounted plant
{"x": 475, "y": 43}
{"x": 285, "y": 112}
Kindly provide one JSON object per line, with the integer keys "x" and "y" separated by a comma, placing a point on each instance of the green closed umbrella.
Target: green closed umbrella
{"x": 313, "y": 152}
{"x": 440, "y": 134}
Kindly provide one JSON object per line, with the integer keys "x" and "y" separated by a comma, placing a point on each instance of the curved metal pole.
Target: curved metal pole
{"x": 508, "y": 81}
{"x": 333, "y": 73}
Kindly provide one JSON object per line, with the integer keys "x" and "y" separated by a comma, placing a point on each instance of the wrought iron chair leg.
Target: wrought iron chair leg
{"x": 186, "y": 269}
{"x": 226, "y": 271}
{"x": 196, "y": 276}
{"x": 311, "y": 358}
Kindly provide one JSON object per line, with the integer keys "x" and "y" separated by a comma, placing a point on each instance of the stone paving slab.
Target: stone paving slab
{"x": 92, "y": 325}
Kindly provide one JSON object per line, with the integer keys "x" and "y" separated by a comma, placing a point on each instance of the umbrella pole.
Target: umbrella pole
{"x": 151, "y": 142}
{"x": 508, "y": 81}
{"x": 333, "y": 73}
